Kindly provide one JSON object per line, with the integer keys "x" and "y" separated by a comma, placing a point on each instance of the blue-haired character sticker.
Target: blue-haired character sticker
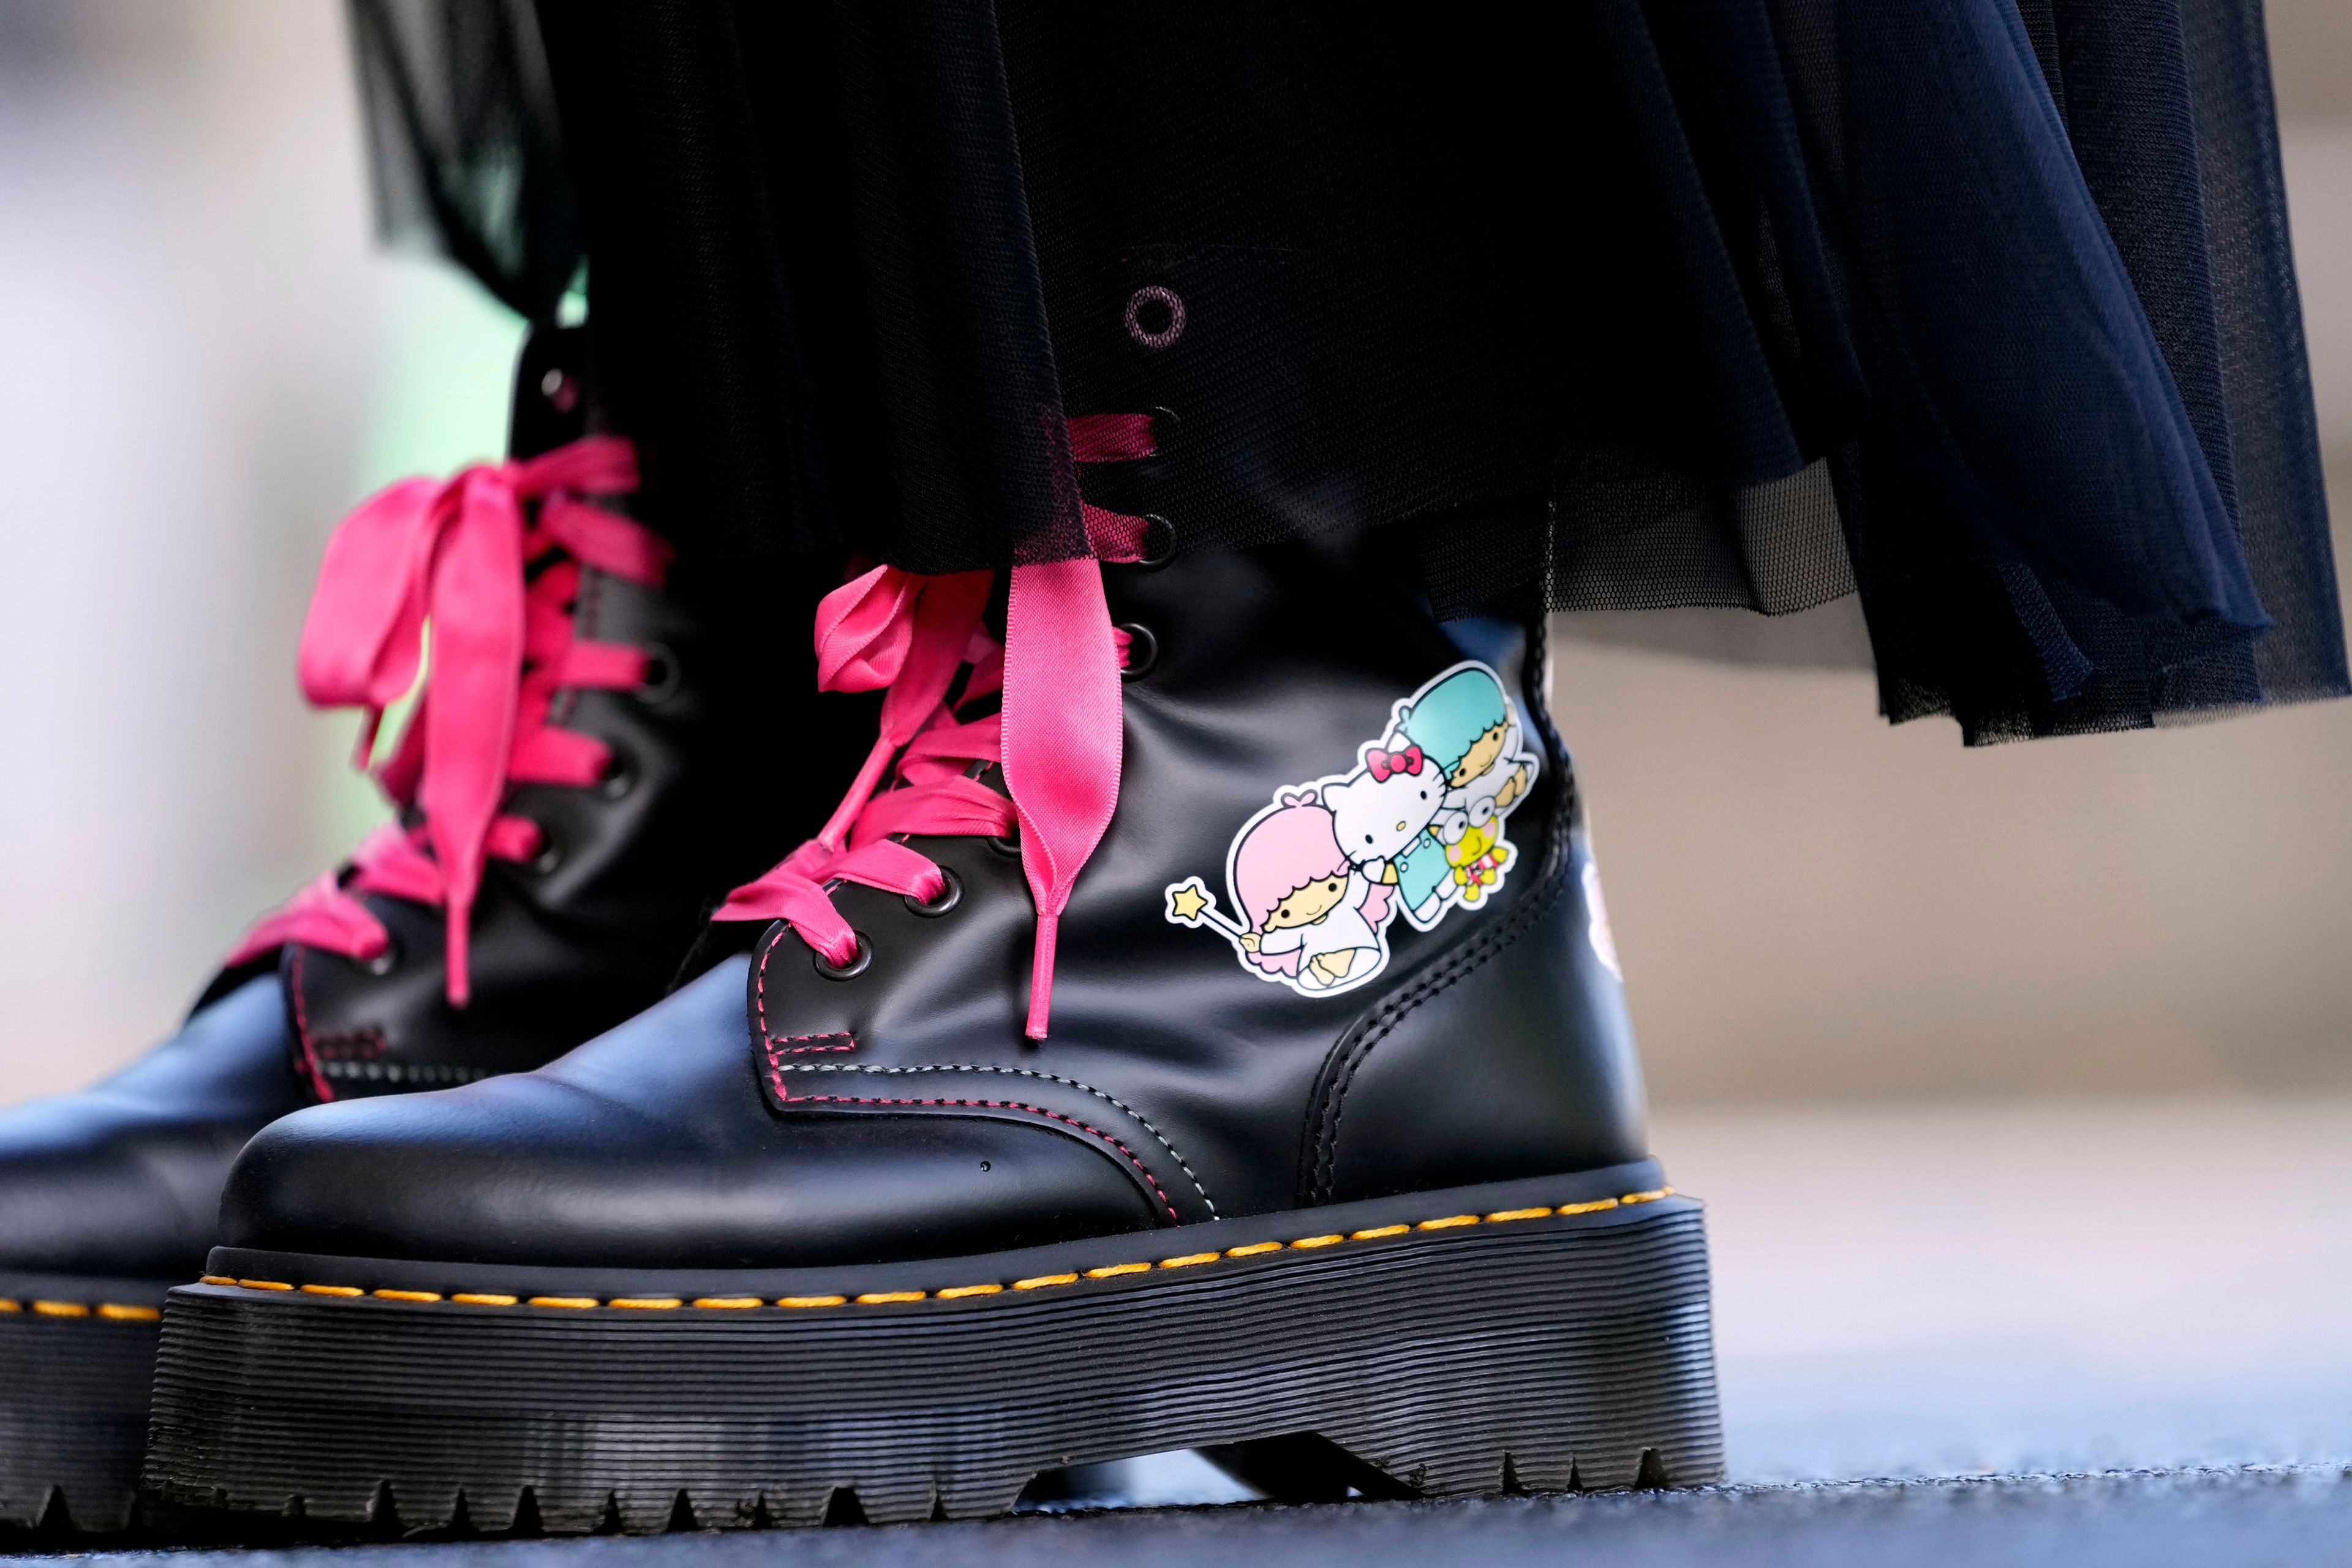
{"x": 1416, "y": 828}
{"x": 1465, "y": 722}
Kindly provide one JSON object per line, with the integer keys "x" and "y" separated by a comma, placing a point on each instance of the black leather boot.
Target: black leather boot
{"x": 1334, "y": 1128}
{"x": 612, "y": 833}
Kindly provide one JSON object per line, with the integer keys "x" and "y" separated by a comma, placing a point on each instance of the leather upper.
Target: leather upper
{"x": 652, "y": 1145}
{"x": 123, "y": 1178}
{"x": 769, "y": 1114}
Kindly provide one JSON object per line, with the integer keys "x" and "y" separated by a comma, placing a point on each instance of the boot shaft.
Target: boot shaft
{"x": 1249, "y": 1012}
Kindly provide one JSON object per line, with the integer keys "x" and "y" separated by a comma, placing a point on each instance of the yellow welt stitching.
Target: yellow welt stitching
{"x": 124, "y": 1313}
{"x": 120, "y": 1311}
{"x": 61, "y": 1309}
{"x": 1039, "y": 1282}
{"x": 8, "y": 1306}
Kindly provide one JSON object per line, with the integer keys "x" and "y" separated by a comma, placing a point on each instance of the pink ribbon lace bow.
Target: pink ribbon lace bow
{"x": 495, "y": 585}
{"x": 1056, "y": 737}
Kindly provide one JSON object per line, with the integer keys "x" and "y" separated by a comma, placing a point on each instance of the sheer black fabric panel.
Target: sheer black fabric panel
{"x": 1805, "y": 237}
{"x": 2265, "y": 373}
{"x": 1798, "y": 296}
{"x": 1982, "y": 309}
{"x": 812, "y": 272}
{"x": 697, "y": 340}
{"x": 2167, "y": 111}
{"x": 464, "y": 144}
{"x": 973, "y": 399}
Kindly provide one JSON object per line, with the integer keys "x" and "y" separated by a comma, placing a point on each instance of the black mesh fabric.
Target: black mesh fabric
{"x": 1983, "y": 310}
{"x": 463, "y": 138}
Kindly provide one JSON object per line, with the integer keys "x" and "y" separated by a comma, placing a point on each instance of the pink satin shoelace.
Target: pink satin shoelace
{"x": 1056, "y": 735}
{"x": 497, "y": 584}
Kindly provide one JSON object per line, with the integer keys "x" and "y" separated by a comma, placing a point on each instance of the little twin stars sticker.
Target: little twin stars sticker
{"x": 1416, "y": 829}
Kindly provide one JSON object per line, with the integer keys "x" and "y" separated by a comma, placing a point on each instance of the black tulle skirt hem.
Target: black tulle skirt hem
{"x": 1981, "y": 311}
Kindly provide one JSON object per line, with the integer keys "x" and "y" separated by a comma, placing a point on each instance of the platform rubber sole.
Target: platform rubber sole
{"x": 1528, "y": 1335}
{"x": 76, "y": 1359}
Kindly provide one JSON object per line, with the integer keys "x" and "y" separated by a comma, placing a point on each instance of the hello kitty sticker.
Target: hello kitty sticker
{"x": 1416, "y": 829}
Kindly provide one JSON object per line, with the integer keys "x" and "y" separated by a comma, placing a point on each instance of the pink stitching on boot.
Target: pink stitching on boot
{"x": 760, "y": 1002}
{"x": 311, "y": 1064}
{"x": 776, "y": 1080}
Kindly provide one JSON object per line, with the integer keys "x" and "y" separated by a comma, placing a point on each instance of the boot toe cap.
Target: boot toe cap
{"x": 526, "y": 1170}
{"x": 651, "y": 1147}
{"x": 474, "y": 1172}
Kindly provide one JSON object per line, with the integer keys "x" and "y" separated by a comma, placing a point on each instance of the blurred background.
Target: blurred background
{"x": 207, "y": 362}
{"x": 2104, "y": 976}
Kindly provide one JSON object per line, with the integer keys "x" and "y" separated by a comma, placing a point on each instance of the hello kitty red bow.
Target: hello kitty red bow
{"x": 1383, "y": 764}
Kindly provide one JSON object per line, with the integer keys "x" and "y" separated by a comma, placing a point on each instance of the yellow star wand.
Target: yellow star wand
{"x": 1190, "y": 903}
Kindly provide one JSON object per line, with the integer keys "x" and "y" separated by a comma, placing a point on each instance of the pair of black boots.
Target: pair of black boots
{"x": 1195, "y": 1028}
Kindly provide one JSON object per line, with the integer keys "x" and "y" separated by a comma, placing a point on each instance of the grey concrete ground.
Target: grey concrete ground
{"x": 2229, "y": 1519}
{"x": 2055, "y": 1287}
{"x": 2083, "y": 1334}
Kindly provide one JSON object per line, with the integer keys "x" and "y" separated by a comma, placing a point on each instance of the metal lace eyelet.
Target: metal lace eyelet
{"x": 384, "y": 963}
{"x": 549, "y": 855}
{"x": 662, "y": 678}
{"x": 850, "y": 971}
{"x": 559, "y": 389}
{"x": 620, "y": 775}
{"x": 1006, "y": 844}
{"x": 1155, "y": 316}
{"x": 1167, "y": 428}
{"x": 950, "y": 895}
{"x": 1142, "y": 651}
{"x": 1159, "y": 542}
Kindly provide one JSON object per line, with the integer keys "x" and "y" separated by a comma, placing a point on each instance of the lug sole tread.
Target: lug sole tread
{"x": 1547, "y": 1357}
{"x": 73, "y": 1418}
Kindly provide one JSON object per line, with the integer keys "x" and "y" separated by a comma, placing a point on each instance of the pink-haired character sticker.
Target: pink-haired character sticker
{"x": 1315, "y": 921}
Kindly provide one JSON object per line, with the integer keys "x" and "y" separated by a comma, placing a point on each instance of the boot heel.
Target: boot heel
{"x": 1570, "y": 1358}
{"x": 1441, "y": 1344}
